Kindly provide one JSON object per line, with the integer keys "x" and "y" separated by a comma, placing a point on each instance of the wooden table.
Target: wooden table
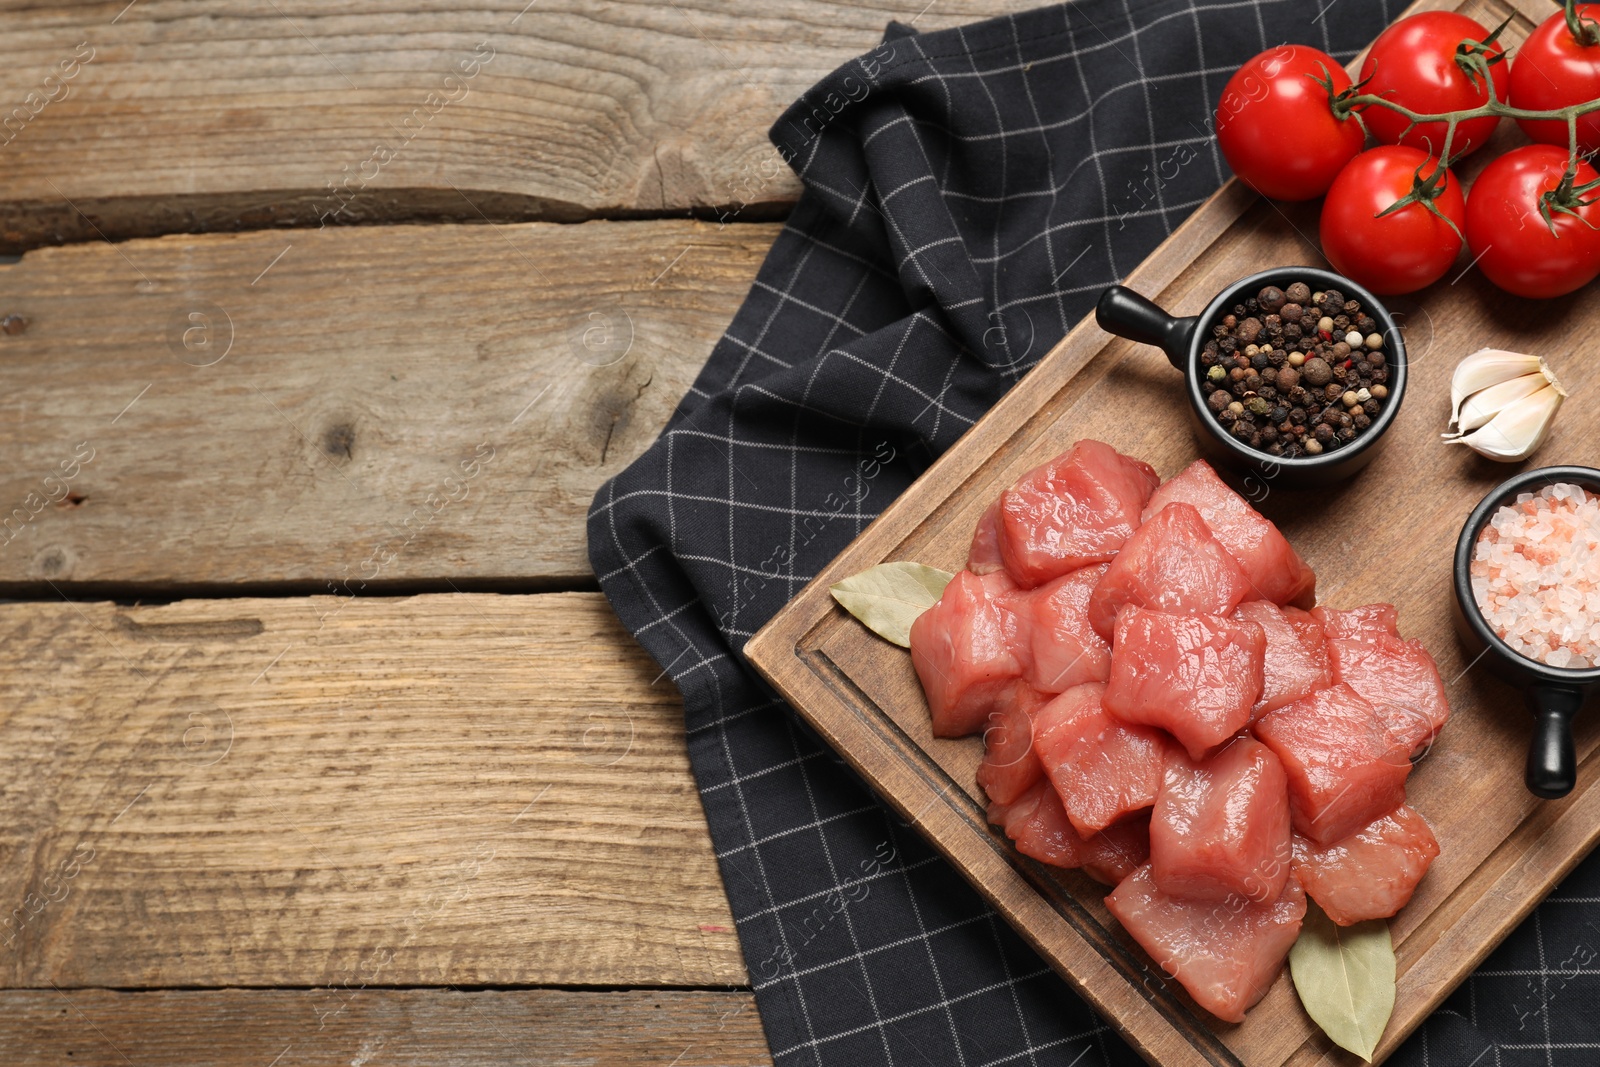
{"x": 317, "y": 741}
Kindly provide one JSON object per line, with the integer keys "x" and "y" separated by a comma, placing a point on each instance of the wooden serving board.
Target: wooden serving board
{"x": 1388, "y": 534}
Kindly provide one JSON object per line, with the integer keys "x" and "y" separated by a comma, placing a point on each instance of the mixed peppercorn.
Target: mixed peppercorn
{"x": 1295, "y": 372}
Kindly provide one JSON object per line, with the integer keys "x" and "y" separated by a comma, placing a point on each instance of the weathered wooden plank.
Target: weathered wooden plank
{"x": 185, "y": 116}
{"x": 396, "y": 406}
{"x": 449, "y": 789}
{"x": 431, "y": 1027}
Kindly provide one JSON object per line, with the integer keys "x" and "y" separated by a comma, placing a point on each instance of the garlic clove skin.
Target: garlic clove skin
{"x": 1485, "y": 404}
{"x": 1484, "y": 368}
{"x": 1550, "y": 376}
{"x": 1518, "y": 430}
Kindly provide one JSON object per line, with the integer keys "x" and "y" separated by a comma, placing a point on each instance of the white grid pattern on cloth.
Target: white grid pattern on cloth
{"x": 882, "y": 326}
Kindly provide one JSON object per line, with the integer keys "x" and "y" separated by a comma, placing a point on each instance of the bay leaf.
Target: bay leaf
{"x": 1345, "y": 978}
{"x": 889, "y": 597}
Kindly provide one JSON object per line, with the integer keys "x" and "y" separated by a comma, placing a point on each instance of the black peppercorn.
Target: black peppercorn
{"x": 1264, "y": 399}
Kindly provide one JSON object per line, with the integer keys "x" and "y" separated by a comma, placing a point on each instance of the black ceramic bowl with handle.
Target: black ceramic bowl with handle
{"x": 1555, "y": 694}
{"x": 1123, "y": 312}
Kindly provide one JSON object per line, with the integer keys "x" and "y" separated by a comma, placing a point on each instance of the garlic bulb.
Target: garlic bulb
{"x": 1502, "y": 404}
{"x": 1486, "y": 367}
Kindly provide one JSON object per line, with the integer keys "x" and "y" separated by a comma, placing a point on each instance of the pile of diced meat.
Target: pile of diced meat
{"x": 1159, "y": 708}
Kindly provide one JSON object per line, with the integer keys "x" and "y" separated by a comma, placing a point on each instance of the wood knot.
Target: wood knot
{"x": 339, "y": 440}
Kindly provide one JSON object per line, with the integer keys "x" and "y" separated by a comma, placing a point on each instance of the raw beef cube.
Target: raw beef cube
{"x": 1363, "y": 622}
{"x": 1221, "y": 827}
{"x": 963, "y": 650}
{"x": 1171, "y": 563}
{"x": 1195, "y": 676}
{"x": 1226, "y": 955}
{"x": 1372, "y": 873}
{"x": 1344, "y": 769}
{"x": 1009, "y": 766}
{"x": 1277, "y": 571}
{"x": 1297, "y": 657}
{"x": 1062, "y": 649}
{"x": 1075, "y": 510}
{"x": 1038, "y": 824}
{"x": 1119, "y": 849}
{"x": 1102, "y": 768}
{"x": 984, "y": 555}
{"x": 1398, "y": 678}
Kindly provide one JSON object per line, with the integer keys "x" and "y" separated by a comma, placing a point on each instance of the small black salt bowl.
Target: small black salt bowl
{"x": 1123, "y": 312}
{"x": 1555, "y": 694}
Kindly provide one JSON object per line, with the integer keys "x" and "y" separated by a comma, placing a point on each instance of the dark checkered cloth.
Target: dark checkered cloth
{"x": 967, "y": 195}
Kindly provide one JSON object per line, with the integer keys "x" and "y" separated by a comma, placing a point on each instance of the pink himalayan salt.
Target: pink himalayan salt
{"x": 1536, "y": 575}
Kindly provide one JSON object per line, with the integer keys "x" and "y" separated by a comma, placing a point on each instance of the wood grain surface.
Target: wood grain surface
{"x": 388, "y": 1027}
{"x": 411, "y": 407}
{"x": 1388, "y": 534}
{"x": 453, "y": 789}
{"x": 195, "y": 115}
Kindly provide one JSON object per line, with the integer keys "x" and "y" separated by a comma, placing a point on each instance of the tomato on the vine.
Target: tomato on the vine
{"x": 1415, "y": 64}
{"x": 1276, "y": 128}
{"x": 1553, "y": 69}
{"x": 1399, "y": 252}
{"x": 1514, "y": 246}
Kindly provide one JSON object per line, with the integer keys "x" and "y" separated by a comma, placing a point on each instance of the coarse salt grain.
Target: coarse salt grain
{"x": 1536, "y": 575}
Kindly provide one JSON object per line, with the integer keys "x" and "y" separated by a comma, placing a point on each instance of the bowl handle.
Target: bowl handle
{"x": 1123, "y": 312}
{"x": 1552, "y": 763}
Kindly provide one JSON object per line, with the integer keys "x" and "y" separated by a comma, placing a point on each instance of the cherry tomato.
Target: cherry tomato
{"x": 1513, "y": 245}
{"x": 1398, "y": 253}
{"x": 1551, "y": 70}
{"x": 1414, "y": 64}
{"x": 1276, "y": 129}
